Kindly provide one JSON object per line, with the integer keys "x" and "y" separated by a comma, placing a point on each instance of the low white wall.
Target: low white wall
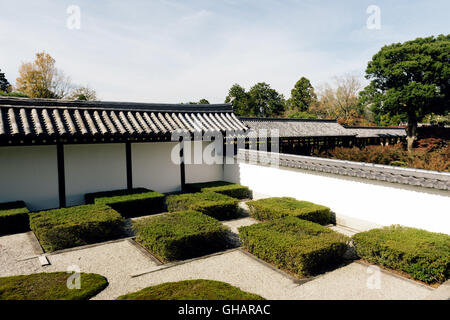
{"x": 92, "y": 168}
{"x": 363, "y": 199}
{"x": 202, "y": 172}
{"x": 153, "y": 168}
{"x": 29, "y": 174}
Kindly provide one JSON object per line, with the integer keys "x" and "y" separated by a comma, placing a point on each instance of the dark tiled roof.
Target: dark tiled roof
{"x": 377, "y": 132}
{"x": 408, "y": 176}
{"x": 49, "y": 121}
{"x": 297, "y": 127}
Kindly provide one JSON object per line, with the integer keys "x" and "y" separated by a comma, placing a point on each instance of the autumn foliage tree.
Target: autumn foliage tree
{"x": 41, "y": 79}
{"x": 340, "y": 101}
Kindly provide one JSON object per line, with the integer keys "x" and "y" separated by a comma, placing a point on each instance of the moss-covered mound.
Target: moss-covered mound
{"x": 192, "y": 290}
{"x": 50, "y": 286}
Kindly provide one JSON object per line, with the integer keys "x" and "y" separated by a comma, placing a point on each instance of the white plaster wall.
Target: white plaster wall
{"x": 204, "y": 170}
{"x": 92, "y": 168}
{"x": 374, "y": 202}
{"x": 29, "y": 174}
{"x": 153, "y": 168}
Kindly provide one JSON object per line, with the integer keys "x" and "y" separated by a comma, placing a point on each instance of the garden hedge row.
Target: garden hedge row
{"x": 89, "y": 198}
{"x": 13, "y": 218}
{"x": 422, "y": 254}
{"x": 134, "y": 203}
{"x": 180, "y": 235}
{"x": 273, "y": 208}
{"x": 229, "y": 189}
{"x": 299, "y": 246}
{"x": 76, "y": 226}
{"x": 213, "y": 204}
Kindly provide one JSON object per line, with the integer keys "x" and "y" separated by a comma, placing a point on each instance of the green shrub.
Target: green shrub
{"x": 213, "y": 204}
{"x": 13, "y": 94}
{"x": 50, "y": 286}
{"x": 299, "y": 246}
{"x": 76, "y": 226}
{"x": 180, "y": 235}
{"x": 134, "y": 203}
{"x": 90, "y": 197}
{"x": 422, "y": 254}
{"x": 229, "y": 189}
{"x": 13, "y": 218}
{"x": 273, "y": 208}
{"x": 191, "y": 290}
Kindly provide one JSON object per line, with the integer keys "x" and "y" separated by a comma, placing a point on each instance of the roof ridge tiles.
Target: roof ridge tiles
{"x": 115, "y": 105}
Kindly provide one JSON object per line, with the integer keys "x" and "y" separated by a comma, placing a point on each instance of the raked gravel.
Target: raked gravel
{"x": 13, "y": 250}
{"x": 119, "y": 261}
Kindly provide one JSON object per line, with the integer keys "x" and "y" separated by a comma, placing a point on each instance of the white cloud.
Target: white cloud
{"x": 174, "y": 51}
{"x": 195, "y": 17}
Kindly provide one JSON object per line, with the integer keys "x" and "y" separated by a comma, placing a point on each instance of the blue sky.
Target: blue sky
{"x": 177, "y": 51}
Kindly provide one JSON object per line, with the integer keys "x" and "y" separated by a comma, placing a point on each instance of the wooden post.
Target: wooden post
{"x": 182, "y": 167}
{"x": 61, "y": 175}
{"x": 129, "y": 165}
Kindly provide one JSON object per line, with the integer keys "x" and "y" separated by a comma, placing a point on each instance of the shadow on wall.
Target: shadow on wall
{"x": 232, "y": 172}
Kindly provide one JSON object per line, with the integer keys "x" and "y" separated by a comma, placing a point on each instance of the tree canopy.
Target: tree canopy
{"x": 5, "y": 86}
{"x": 201, "y": 101}
{"x": 239, "y": 98}
{"x": 83, "y": 94}
{"x": 260, "y": 101}
{"x": 41, "y": 78}
{"x": 265, "y": 101}
{"x": 410, "y": 80}
{"x": 302, "y": 96}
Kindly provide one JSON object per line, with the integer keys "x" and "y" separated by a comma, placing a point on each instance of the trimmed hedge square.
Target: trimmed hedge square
{"x": 76, "y": 226}
{"x": 213, "y": 204}
{"x": 273, "y": 208}
{"x": 424, "y": 255}
{"x": 13, "y": 218}
{"x": 180, "y": 235}
{"x": 229, "y": 189}
{"x": 134, "y": 203}
{"x": 299, "y": 246}
{"x": 89, "y": 198}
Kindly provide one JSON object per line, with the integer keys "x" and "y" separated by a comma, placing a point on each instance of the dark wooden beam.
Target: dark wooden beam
{"x": 182, "y": 167}
{"x": 129, "y": 165}
{"x": 61, "y": 175}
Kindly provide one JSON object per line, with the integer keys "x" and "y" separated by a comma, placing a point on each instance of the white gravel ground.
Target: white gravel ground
{"x": 238, "y": 269}
{"x": 118, "y": 261}
{"x": 359, "y": 282}
{"x": 235, "y": 224}
{"x": 13, "y": 249}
